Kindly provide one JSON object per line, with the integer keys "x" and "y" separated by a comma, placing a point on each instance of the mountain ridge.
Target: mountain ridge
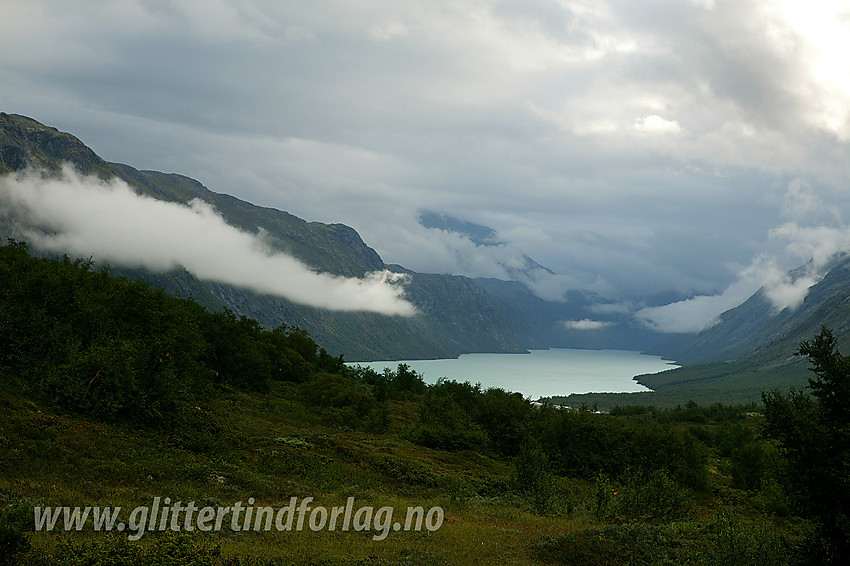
{"x": 749, "y": 348}
{"x": 756, "y": 323}
{"x": 468, "y": 323}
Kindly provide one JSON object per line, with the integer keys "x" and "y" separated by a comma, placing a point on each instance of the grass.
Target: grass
{"x": 272, "y": 447}
{"x": 732, "y": 382}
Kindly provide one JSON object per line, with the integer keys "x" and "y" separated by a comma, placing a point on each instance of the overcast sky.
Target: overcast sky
{"x": 689, "y": 149}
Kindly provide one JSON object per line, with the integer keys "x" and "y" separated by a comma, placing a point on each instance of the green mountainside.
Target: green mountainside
{"x": 756, "y": 324}
{"x": 748, "y": 351}
{"x": 119, "y": 399}
{"x": 456, "y": 315}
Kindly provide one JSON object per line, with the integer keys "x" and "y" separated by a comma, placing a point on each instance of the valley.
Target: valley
{"x": 123, "y": 385}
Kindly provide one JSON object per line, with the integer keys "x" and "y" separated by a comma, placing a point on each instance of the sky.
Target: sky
{"x": 683, "y": 152}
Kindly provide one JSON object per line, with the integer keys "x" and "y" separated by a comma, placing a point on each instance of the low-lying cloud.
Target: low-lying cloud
{"x": 86, "y": 216}
{"x": 586, "y": 324}
{"x": 641, "y": 142}
{"x": 697, "y": 313}
{"x": 803, "y": 248}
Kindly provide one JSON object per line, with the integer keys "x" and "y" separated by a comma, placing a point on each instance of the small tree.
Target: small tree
{"x": 813, "y": 433}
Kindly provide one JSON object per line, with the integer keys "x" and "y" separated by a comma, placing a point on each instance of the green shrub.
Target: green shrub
{"x": 641, "y": 497}
{"x": 615, "y": 545}
{"x": 748, "y": 465}
{"x": 726, "y": 541}
{"x": 445, "y": 423}
{"x": 534, "y": 478}
{"x": 583, "y": 444}
{"x": 122, "y": 351}
{"x": 737, "y": 540}
{"x": 116, "y": 550}
{"x": 15, "y": 524}
{"x": 772, "y": 497}
{"x": 813, "y": 434}
{"x": 13, "y": 544}
{"x": 340, "y": 400}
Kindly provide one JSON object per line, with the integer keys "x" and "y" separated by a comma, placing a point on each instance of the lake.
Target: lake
{"x": 542, "y": 373}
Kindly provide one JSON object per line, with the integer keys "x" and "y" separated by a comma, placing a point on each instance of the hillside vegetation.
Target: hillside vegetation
{"x": 748, "y": 351}
{"x": 114, "y": 393}
{"x": 455, "y": 314}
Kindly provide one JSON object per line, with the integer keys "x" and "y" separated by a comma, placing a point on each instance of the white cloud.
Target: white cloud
{"x": 696, "y": 313}
{"x": 802, "y": 204}
{"x": 389, "y": 31}
{"x": 820, "y": 33}
{"x": 595, "y": 127}
{"x": 86, "y": 216}
{"x": 445, "y": 251}
{"x": 655, "y": 124}
{"x": 818, "y": 243}
{"x": 548, "y": 286}
{"x": 586, "y": 324}
{"x": 706, "y": 4}
{"x": 805, "y": 249}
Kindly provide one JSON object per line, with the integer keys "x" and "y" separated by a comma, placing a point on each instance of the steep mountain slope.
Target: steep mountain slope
{"x": 726, "y": 339}
{"x": 750, "y": 350}
{"x": 456, "y": 315}
{"x": 755, "y": 324}
{"x": 770, "y": 361}
{"x": 333, "y": 248}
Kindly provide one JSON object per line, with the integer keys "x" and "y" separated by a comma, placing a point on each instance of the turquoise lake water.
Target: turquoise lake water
{"x": 542, "y": 373}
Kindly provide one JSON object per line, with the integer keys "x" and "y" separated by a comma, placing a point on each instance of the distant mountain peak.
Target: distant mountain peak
{"x": 479, "y": 234}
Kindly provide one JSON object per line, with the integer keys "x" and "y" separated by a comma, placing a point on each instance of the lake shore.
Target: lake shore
{"x": 542, "y": 373}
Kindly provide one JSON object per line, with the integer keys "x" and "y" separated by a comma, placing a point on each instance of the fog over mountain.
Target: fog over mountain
{"x": 811, "y": 237}
{"x": 87, "y": 217}
{"x": 646, "y": 151}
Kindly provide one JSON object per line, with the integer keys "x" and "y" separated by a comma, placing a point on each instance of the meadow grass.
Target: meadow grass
{"x": 271, "y": 447}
